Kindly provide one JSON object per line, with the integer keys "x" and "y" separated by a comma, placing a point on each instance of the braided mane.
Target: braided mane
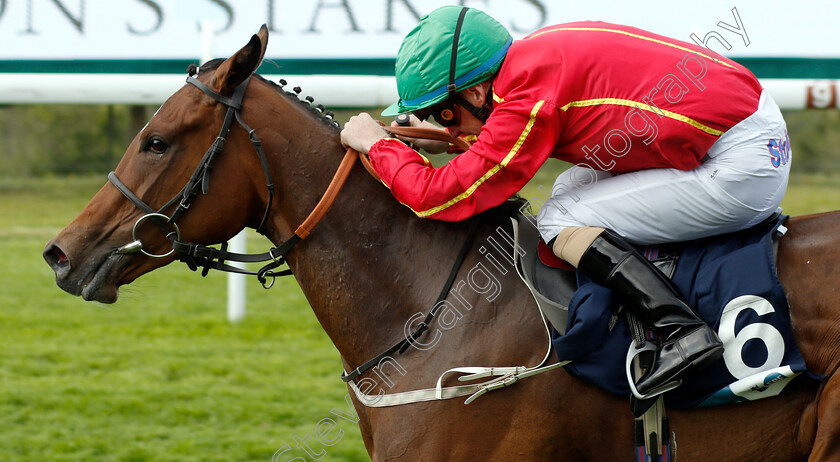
{"x": 327, "y": 117}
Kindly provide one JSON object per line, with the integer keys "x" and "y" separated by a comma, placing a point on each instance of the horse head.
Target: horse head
{"x": 115, "y": 236}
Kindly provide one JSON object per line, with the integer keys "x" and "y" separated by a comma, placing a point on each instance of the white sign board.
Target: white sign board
{"x": 103, "y": 50}
{"x": 312, "y": 29}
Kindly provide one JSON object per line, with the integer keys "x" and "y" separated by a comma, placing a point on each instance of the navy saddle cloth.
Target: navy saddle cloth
{"x": 732, "y": 281}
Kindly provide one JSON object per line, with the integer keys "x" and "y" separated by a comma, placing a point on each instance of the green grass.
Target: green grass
{"x": 812, "y": 194}
{"x": 162, "y": 375}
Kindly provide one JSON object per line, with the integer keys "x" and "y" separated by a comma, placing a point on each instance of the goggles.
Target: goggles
{"x": 444, "y": 114}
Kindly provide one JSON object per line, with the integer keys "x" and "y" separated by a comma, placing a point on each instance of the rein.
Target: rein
{"x": 428, "y": 134}
{"x": 195, "y": 255}
{"x": 198, "y": 255}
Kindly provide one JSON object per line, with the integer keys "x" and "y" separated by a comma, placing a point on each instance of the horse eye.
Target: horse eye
{"x": 156, "y": 146}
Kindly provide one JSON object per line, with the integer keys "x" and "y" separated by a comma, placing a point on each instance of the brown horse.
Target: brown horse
{"x": 370, "y": 265}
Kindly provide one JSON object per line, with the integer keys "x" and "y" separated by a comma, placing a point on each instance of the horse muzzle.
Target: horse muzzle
{"x": 92, "y": 279}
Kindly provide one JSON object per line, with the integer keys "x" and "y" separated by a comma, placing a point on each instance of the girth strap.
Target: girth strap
{"x": 652, "y": 434}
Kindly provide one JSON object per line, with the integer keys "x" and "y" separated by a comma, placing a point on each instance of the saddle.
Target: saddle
{"x": 730, "y": 280}
{"x": 714, "y": 274}
{"x": 553, "y": 282}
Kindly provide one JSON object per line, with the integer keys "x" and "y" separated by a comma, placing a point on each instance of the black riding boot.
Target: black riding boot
{"x": 686, "y": 342}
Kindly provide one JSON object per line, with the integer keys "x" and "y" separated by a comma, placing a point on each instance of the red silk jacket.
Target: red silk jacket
{"x": 610, "y": 97}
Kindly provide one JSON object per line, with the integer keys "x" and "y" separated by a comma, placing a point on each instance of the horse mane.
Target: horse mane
{"x": 327, "y": 117}
{"x": 499, "y": 215}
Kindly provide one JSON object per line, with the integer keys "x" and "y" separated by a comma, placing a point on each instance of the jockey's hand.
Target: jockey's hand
{"x": 430, "y": 146}
{"x": 361, "y": 132}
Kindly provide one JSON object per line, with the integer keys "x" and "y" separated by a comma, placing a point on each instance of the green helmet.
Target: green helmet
{"x": 425, "y": 60}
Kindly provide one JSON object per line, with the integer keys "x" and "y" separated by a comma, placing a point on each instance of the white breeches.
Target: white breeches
{"x": 740, "y": 182}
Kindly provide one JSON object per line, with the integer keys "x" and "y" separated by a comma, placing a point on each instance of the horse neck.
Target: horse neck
{"x": 370, "y": 263}
{"x": 809, "y": 269}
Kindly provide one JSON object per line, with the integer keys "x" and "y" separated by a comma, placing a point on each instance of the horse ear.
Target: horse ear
{"x": 241, "y": 65}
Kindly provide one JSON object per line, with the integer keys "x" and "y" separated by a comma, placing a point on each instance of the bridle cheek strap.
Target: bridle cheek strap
{"x": 198, "y": 255}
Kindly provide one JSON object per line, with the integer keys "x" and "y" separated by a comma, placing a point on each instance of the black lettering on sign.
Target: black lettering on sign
{"x": 341, "y": 4}
{"x": 541, "y": 23}
{"x": 77, "y": 21}
{"x": 270, "y": 21}
{"x": 228, "y": 10}
{"x": 158, "y": 12}
{"x": 389, "y": 12}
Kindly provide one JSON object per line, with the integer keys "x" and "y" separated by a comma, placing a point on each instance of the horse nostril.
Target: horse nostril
{"x": 56, "y": 258}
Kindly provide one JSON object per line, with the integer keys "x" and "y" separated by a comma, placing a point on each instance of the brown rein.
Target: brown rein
{"x": 346, "y": 166}
{"x": 330, "y": 194}
{"x": 338, "y": 180}
{"x": 429, "y": 134}
{"x": 196, "y": 255}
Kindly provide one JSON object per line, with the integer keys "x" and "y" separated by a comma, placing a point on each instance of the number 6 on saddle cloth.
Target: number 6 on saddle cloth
{"x": 731, "y": 278}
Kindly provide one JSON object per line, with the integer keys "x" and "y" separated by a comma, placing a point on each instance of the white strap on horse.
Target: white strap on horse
{"x": 504, "y": 376}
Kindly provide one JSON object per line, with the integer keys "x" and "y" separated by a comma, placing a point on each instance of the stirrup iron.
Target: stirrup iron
{"x": 632, "y": 353}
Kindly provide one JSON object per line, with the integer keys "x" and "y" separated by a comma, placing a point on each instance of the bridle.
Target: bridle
{"x": 206, "y": 257}
{"x": 197, "y": 255}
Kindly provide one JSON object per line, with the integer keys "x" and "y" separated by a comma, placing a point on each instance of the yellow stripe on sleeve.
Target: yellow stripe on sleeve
{"x": 630, "y": 34}
{"x": 495, "y": 169}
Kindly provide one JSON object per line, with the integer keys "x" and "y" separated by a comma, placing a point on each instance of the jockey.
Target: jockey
{"x": 670, "y": 141}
